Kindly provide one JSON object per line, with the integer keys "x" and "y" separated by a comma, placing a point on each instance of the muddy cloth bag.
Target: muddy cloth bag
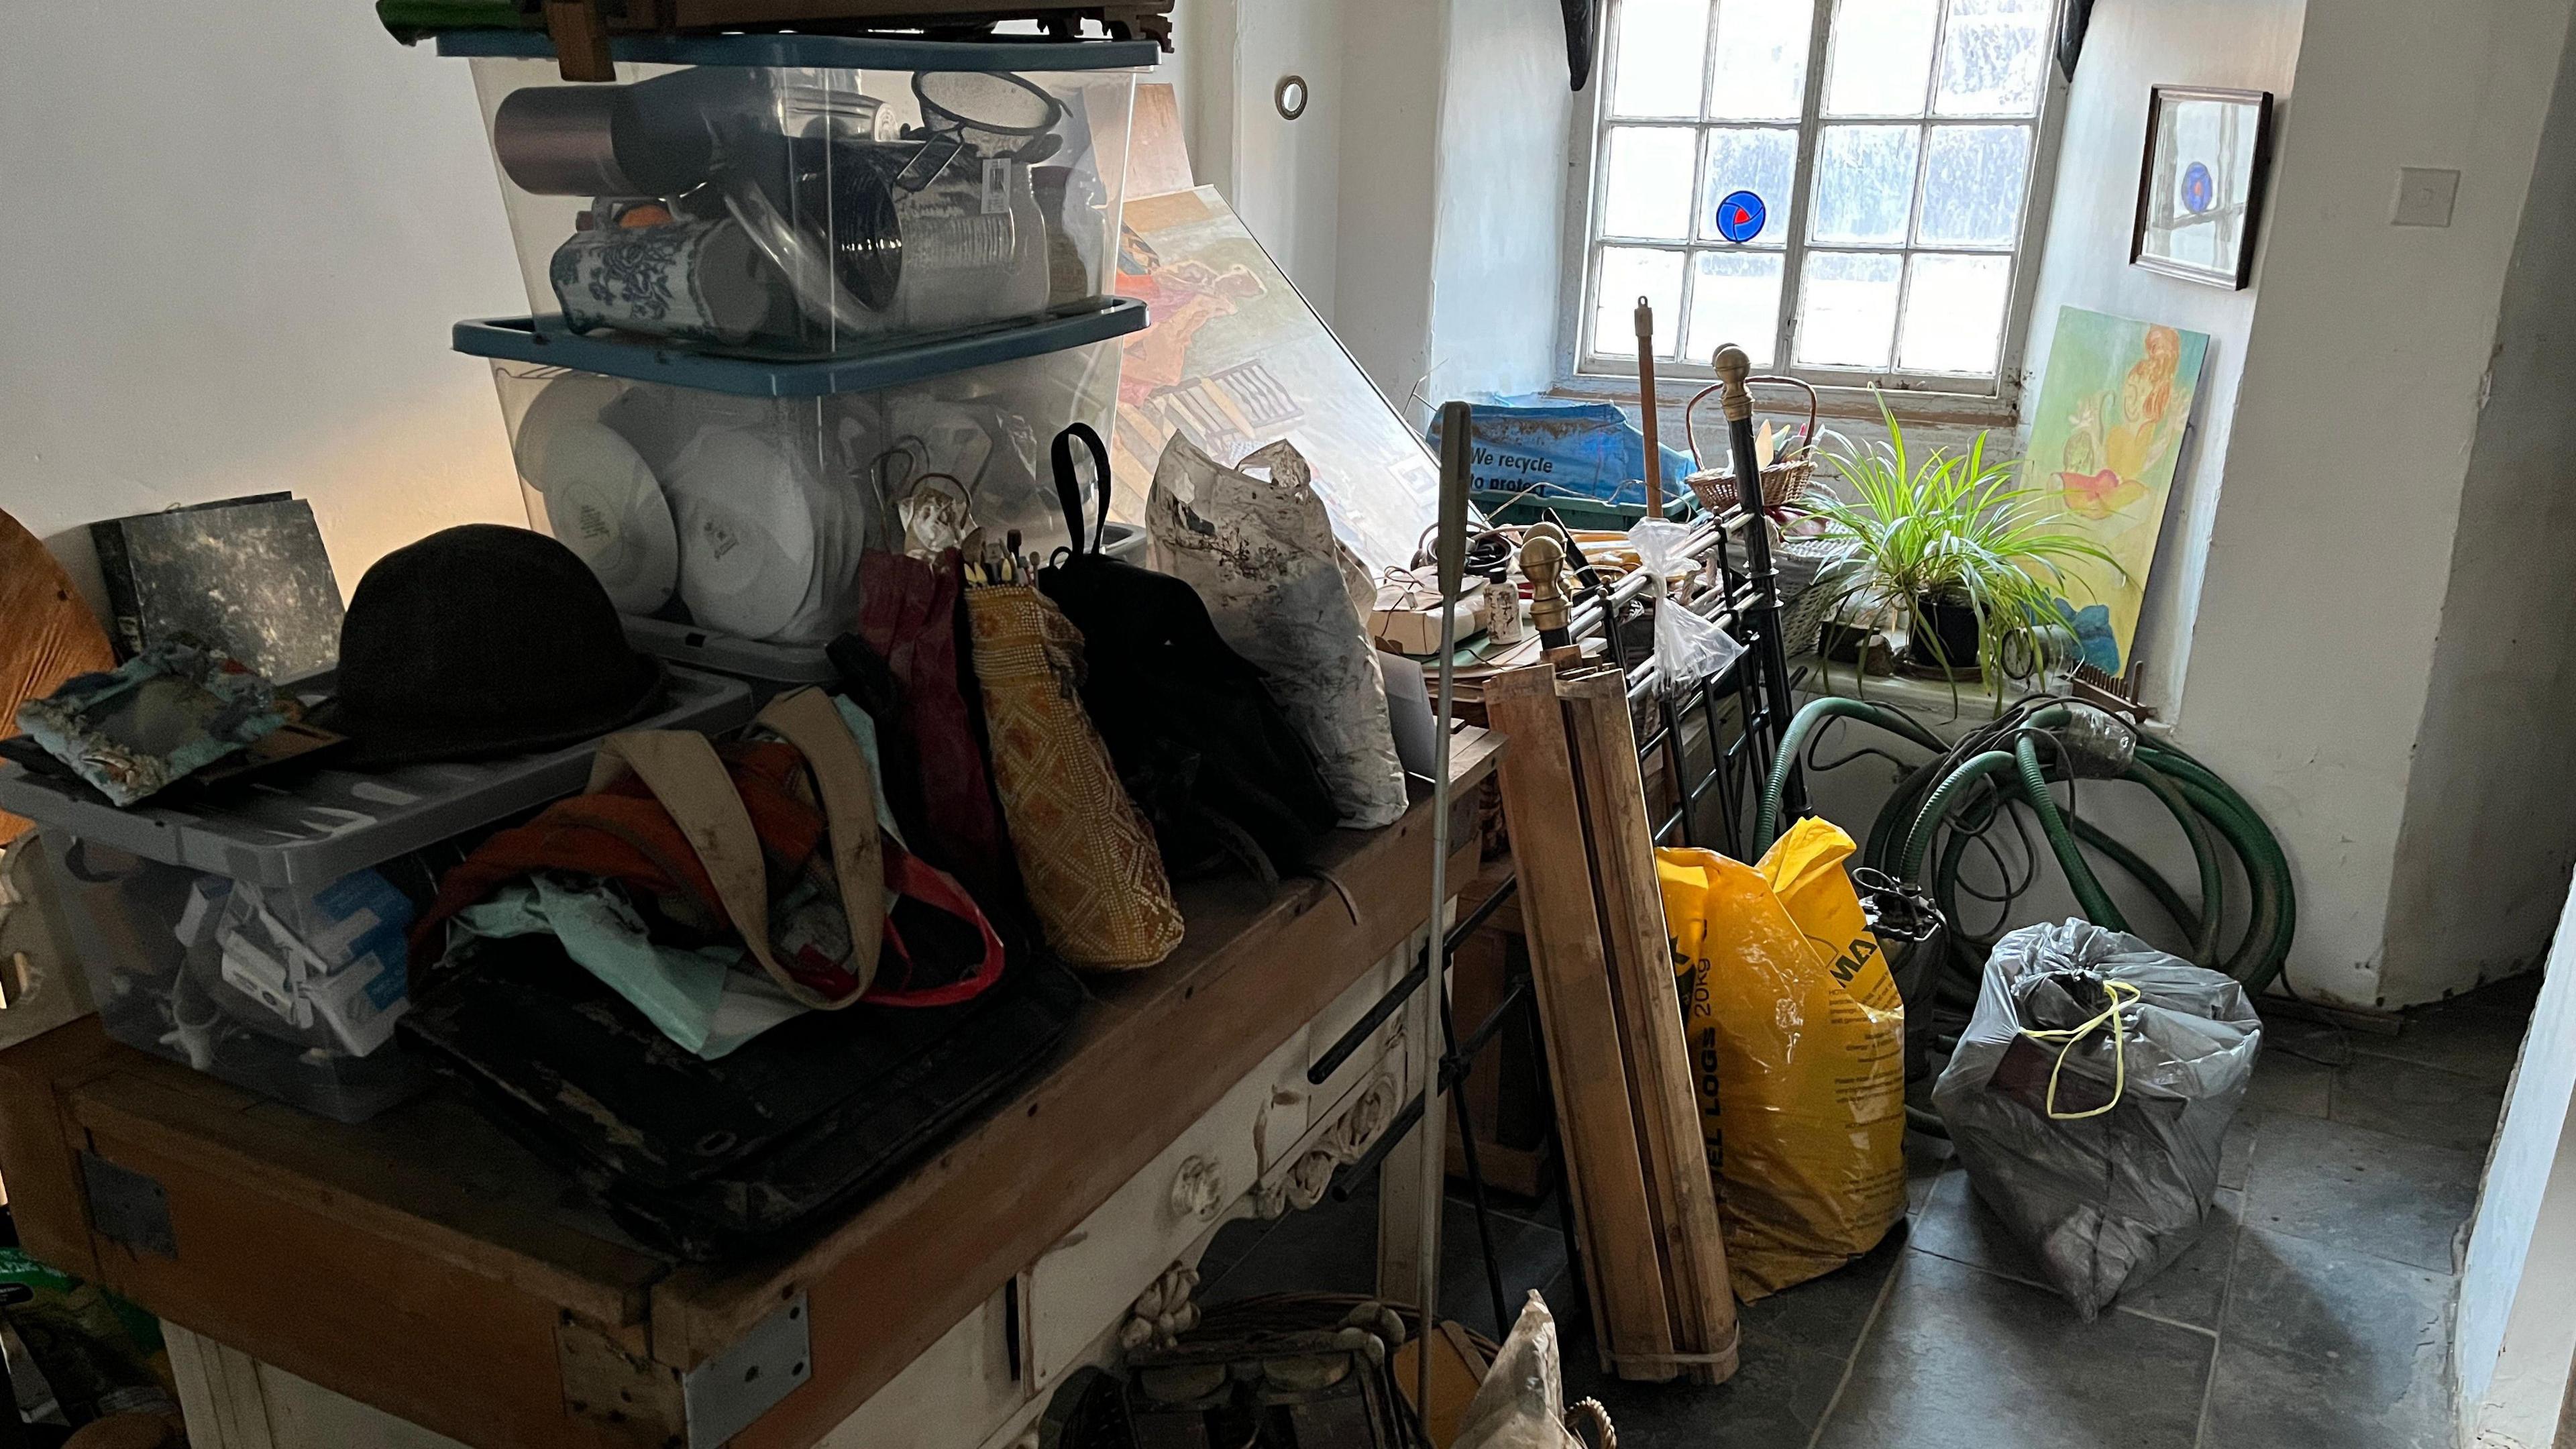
{"x": 1799, "y": 1036}
{"x": 2088, "y": 1098}
{"x": 1196, "y": 732}
{"x": 1261, "y": 553}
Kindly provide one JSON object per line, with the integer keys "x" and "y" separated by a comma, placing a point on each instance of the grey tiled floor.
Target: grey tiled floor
{"x": 2315, "y": 1309}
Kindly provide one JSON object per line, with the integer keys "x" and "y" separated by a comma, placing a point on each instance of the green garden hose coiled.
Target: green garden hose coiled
{"x": 1924, "y": 831}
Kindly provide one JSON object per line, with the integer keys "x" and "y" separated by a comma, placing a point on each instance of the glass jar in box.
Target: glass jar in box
{"x": 257, "y": 933}
{"x": 734, "y": 498}
{"x": 808, "y": 195}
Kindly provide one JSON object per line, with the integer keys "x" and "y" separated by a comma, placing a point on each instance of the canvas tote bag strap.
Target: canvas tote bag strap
{"x": 682, "y": 770}
{"x": 808, "y": 720}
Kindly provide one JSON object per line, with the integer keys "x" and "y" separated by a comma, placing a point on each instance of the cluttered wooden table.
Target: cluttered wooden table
{"x": 426, "y": 1265}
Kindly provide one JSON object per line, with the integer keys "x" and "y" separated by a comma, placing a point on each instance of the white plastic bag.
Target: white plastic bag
{"x": 1521, "y": 1404}
{"x": 1261, "y": 553}
{"x": 1688, "y": 648}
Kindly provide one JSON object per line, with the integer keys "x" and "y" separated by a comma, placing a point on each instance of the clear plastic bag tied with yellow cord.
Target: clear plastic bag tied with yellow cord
{"x": 1797, "y": 1036}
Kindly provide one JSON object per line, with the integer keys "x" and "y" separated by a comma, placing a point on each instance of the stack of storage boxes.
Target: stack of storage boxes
{"x": 792, "y": 298}
{"x": 795, "y": 297}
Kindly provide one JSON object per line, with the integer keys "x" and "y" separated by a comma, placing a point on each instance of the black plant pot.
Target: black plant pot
{"x": 1952, "y": 625}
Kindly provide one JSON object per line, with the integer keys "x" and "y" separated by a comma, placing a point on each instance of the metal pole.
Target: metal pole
{"x": 1733, "y": 367}
{"x": 1456, "y": 422}
{"x": 1647, "y": 421}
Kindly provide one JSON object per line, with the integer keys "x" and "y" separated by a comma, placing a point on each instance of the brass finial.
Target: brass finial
{"x": 1733, "y": 367}
{"x": 1543, "y": 564}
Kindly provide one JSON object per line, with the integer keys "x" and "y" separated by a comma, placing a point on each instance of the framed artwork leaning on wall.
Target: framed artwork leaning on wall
{"x": 2200, "y": 189}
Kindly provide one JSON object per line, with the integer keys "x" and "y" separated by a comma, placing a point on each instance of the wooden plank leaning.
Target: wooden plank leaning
{"x": 1656, "y": 1049}
{"x": 1587, "y": 1070}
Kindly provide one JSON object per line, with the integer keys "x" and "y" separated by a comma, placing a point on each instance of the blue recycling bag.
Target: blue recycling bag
{"x": 1552, "y": 448}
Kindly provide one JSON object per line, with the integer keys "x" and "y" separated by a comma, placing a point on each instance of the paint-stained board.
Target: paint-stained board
{"x": 47, "y": 633}
{"x": 247, "y": 575}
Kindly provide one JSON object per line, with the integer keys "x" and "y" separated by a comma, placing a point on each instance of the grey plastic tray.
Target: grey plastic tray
{"x": 337, "y": 821}
{"x": 776, "y": 664}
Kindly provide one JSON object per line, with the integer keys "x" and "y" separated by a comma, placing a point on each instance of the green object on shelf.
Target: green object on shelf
{"x": 410, "y": 20}
{"x": 1499, "y": 506}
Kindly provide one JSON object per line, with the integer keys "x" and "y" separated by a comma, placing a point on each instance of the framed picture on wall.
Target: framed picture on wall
{"x": 2200, "y": 194}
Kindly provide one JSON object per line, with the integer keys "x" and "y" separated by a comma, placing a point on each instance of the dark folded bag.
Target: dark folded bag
{"x": 1198, "y": 739}
{"x": 707, "y": 1159}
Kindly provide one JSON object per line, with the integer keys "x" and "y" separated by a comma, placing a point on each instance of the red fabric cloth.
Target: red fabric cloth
{"x": 911, "y": 619}
{"x": 623, "y": 834}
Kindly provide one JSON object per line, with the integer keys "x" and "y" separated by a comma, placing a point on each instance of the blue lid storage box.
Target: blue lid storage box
{"x": 726, "y": 510}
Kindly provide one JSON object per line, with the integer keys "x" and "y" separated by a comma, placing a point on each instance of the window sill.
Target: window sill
{"x": 1855, "y": 403}
{"x": 1928, "y": 700}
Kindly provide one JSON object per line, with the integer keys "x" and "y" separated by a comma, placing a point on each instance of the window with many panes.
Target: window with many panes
{"x": 1892, "y": 146}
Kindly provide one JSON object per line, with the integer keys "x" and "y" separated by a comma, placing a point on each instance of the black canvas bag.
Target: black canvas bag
{"x": 706, "y": 1159}
{"x": 1198, "y": 740}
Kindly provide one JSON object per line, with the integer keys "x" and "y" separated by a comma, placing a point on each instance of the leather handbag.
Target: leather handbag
{"x": 1087, "y": 857}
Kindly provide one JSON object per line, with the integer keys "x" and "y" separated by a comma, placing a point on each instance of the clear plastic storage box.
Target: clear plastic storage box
{"x": 261, "y": 938}
{"x": 728, "y": 524}
{"x": 808, "y": 195}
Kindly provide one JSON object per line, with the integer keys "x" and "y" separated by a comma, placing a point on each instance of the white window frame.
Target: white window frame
{"x": 1939, "y": 396}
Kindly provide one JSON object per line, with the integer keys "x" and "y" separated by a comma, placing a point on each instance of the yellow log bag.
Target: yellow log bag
{"x": 1798, "y": 1039}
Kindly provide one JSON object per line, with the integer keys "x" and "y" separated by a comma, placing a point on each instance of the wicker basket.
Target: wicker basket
{"x": 1782, "y": 482}
{"x": 1803, "y": 618}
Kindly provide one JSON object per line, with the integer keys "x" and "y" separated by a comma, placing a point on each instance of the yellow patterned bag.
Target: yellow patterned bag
{"x": 1086, "y": 854}
{"x": 1797, "y": 1034}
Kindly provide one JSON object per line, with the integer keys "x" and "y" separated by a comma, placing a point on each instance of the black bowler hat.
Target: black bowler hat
{"x": 480, "y": 641}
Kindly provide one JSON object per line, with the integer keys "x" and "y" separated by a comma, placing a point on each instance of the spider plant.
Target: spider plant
{"x": 1922, "y": 531}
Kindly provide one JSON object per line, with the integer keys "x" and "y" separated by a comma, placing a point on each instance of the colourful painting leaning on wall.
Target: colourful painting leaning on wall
{"x": 2105, "y": 435}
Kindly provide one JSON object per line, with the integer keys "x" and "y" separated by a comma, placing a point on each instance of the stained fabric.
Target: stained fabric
{"x": 1261, "y": 553}
{"x": 910, "y": 623}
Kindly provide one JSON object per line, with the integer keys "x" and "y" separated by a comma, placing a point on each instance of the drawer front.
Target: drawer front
{"x": 952, "y": 1397}
{"x": 1088, "y": 1280}
{"x": 1302, "y": 1107}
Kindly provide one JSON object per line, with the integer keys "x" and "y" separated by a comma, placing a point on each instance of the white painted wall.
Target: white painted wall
{"x": 1286, "y": 174}
{"x": 234, "y": 248}
{"x": 2311, "y": 657}
{"x": 2512, "y": 1344}
{"x": 1391, "y": 83}
{"x": 1501, "y": 181}
{"x": 1418, "y": 203}
{"x": 2482, "y": 857}
{"x": 2134, "y": 45}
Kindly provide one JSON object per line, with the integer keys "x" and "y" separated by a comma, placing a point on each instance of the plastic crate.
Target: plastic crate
{"x": 805, "y": 195}
{"x": 258, "y": 935}
{"x": 771, "y": 668}
{"x": 742, "y": 513}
